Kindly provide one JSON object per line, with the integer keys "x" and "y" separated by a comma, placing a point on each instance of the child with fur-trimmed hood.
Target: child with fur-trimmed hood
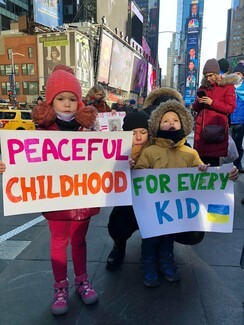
{"x": 169, "y": 125}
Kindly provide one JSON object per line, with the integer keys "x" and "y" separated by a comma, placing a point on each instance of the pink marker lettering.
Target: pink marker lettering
{"x": 29, "y": 151}
{"x": 91, "y": 148}
{"x": 77, "y": 149}
{"x": 62, "y": 143}
{"x": 15, "y": 147}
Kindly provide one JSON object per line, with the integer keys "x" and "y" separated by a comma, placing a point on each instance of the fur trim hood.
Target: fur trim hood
{"x": 171, "y": 105}
{"x": 229, "y": 79}
{"x": 163, "y": 91}
{"x": 44, "y": 115}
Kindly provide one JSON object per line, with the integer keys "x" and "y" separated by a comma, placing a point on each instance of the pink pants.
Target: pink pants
{"x": 61, "y": 231}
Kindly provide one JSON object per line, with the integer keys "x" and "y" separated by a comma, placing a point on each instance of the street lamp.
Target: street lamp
{"x": 12, "y": 84}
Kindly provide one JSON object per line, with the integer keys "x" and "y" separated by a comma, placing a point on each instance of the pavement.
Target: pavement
{"x": 211, "y": 291}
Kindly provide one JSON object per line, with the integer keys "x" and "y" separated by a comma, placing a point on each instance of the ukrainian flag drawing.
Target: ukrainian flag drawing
{"x": 218, "y": 213}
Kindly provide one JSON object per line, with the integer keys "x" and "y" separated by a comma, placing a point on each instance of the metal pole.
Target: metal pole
{"x": 13, "y": 78}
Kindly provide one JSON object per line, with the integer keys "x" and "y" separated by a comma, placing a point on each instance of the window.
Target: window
{"x": 6, "y": 69}
{"x": 26, "y": 116}
{"x": 16, "y": 69}
{"x": 30, "y": 88}
{"x": 7, "y": 115}
{"x": 27, "y": 69}
{"x": 30, "y": 52}
{"x": 10, "y": 51}
{"x": 5, "y": 86}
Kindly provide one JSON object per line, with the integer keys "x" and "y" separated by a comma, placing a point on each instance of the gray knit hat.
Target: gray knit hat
{"x": 174, "y": 106}
{"x": 211, "y": 66}
{"x": 239, "y": 68}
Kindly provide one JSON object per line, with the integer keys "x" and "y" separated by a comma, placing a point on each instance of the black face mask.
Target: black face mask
{"x": 174, "y": 135}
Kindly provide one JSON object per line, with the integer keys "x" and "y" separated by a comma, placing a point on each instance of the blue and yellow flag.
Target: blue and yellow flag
{"x": 218, "y": 213}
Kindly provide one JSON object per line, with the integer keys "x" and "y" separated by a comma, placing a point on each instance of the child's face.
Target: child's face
{"x": 98, "y": 95}
{"x": 140, "y": 136}
{"x": 170, "y": 122}
{"x": 65, "y": 102}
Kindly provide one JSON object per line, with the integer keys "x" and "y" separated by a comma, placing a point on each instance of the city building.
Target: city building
{"x": 235, "y": 33}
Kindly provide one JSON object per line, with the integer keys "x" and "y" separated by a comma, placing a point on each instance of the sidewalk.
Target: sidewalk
{"x": 211, "y": 291}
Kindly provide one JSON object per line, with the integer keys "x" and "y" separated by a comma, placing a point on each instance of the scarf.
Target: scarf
{"x": 174, "y": 135}
{"x": 73, "y": 125}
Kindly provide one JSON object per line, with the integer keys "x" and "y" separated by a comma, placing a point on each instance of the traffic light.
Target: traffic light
{"x": 10, "y": 95}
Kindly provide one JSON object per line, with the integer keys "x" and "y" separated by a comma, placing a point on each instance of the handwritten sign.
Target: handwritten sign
{"x": 48, "y": 171}
{"x": 169, "y": 201}
{"x": 110, "y": 122}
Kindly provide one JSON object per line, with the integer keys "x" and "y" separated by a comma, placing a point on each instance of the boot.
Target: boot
{"x": 116, "y": 256}
{"x": 60, "y": 301}
{"x": 150, "y": 277}
{"x": 85, "y": 290}
{"x": 168, "y": 267}
{"x": 166, "y": 259}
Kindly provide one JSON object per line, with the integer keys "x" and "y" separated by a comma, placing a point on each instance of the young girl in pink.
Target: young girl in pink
{"x": 65, "y": 111}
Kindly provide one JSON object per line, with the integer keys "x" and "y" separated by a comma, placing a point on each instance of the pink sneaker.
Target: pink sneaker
{"x": 84, "y": 289}
{"x": 60, "y": 300}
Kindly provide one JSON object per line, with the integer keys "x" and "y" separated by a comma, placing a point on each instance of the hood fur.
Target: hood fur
{"x": 163, "y": 91}
{"x": 171, "y": 105}
{"x": 229, "y": 79}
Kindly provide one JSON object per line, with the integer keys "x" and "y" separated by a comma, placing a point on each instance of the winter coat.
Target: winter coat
{"x": 237, "y": 117}
{"x": 167, "y": 154}
{"x": 44, "y": 116}
{"x": 224, "y": 103}
{"x": 100, "y": 105}
{"x": 158, "y": 96}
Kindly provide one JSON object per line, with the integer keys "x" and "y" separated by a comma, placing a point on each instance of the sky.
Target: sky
{"x": 214, "y": 28}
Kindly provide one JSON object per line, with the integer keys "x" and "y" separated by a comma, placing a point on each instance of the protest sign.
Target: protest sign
{"x": 49, "y": 171}
{"x": 110, "y": 122}
{"x": 167, "y": 201}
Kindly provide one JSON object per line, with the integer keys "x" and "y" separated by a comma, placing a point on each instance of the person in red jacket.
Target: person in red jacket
{"x": 95, "y": 97}
{"x": 216, "y": 99}
{"x": 65, "y": 111}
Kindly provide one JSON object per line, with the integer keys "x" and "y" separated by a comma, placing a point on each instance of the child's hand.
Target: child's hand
{"x": 233, "y": 175}
{"x": 2, "y": 167}
{"x": 131, "y": 163}
{"x": 203, "y": 168}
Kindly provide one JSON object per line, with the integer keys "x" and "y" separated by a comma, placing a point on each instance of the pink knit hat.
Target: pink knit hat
{"x": 61, "y": 81}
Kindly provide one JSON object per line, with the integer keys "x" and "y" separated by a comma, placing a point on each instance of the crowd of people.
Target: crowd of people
{"x": 160, "y": 129}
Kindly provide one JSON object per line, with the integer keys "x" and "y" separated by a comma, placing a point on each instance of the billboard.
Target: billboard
{"x": 48, "y": 13}
{"x": 139, "y": 74}
{"x": 69, "y": 48}
{"x": 105, "y": 57}
{"x": 193, "y": 32}
{"x": 151, "y": 78}
{"x": 121, "y": 66}
{"x": 84, "y": 62}
{"x": 136, "y": 24}
{"x": 115, "y": 13}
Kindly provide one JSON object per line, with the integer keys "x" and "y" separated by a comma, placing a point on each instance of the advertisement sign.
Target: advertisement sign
{"x": 84, "y": 63}
{"x": 48, "y": 13}
{"x": 69, "y": 48}
{"x": 105, "y": 57}
{"x": 121, "y": 66}
{"x": 139, "y": 74}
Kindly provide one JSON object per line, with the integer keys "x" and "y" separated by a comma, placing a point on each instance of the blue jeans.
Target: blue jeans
{"x": 154, "y": 249}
